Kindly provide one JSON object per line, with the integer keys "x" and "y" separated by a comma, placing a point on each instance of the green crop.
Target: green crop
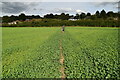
{"x": 89, "y": 52}
{"x": 30, "y": 53}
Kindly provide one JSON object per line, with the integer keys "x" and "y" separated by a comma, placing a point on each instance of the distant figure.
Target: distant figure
{"x": 63, "y": 28}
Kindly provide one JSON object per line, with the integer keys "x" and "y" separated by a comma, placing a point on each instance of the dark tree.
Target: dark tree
{"x": 56, "y": 16}
{"x": 88, "y": 14}
{"x": 62, "y": 16}
{"x": 67, "y": 16}
{"x": 37, "y": 17}
{"x": 13, "y": 18}
{"x": 82, "y": 15}
{"x": 103, "y": 14}
{"x": 93, "y": 17}
{"x": 49, "y": 16}
{"x": 97, "y": 14}
{"x": 110, "y": 14}
{"x": 6, "y": 19}
{"x": 22, "y": 17}
{"x": 77, "y": 16}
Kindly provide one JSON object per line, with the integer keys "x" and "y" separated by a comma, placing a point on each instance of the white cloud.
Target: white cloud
{"x": 16, "y": 7}
{"x": 62, "y": 10}
{"x": 80, "y": 11}
{"x": 59, "y": 0}
{"x": 66, "y": 10}
{"x": 104, "y": 3}
{"x": 31, "y": 6}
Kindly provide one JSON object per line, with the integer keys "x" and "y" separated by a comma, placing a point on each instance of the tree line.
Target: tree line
{"x": 21, "y": 17}
{"x": 98, "y": 15}
{"x": 100, "y": 18}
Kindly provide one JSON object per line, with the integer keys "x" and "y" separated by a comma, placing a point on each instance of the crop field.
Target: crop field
{"x": 89, "y": 52}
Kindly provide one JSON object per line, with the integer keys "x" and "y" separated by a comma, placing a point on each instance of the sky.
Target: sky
{"x": 42, "y": 7}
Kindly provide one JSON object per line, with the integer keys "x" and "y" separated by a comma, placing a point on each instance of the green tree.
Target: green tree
{"x": 82, "y": 15}
{"x": 103, "y": 14}
{"x": 63, "y": 16}
{"x": 97, "y": 14}
{"x": 67, "y": 16}
{"x": 13, "y": 18}
{"x": 56, "y": 16}
{"x": 110, "y": 14}
{"x": 77, "y": 16}
{"x": 93, "y": 17}
{"x": 88, "y": 14}
{"x": 22, "y": 17}
{"x": 6, "y": 19}
{"x": 49, "y": 16}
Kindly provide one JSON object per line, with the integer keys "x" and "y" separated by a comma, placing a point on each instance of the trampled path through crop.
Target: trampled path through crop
{"x": 62, "y": 69}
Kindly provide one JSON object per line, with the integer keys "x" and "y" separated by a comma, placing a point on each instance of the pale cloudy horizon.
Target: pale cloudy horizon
{"x": 43, "y": 7}
{"x": 59, "y": 1}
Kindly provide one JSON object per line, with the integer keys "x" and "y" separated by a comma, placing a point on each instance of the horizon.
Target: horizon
{"x": 55, "y": 14}
{"x": 43, "y": 8}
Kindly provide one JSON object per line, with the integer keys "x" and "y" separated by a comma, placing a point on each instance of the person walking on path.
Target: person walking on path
{"x": 63, "y": 28}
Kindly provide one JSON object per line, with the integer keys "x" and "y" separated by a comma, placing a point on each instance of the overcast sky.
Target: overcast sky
{"x": 42, "y": 7}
